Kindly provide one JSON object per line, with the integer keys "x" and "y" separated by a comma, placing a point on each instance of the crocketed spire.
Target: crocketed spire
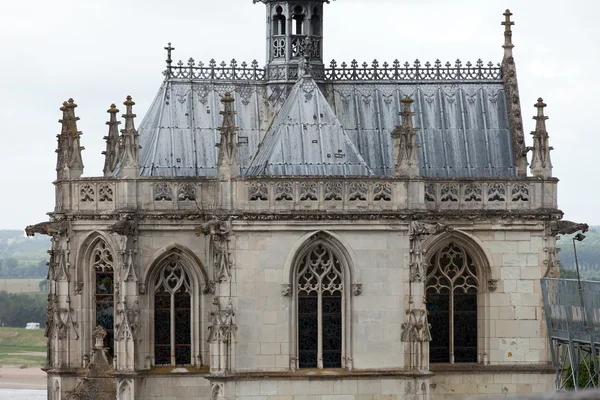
{"x": 406, "y": 162}
{"x": 227, "y": 163}
{"x": 129, "y": 147}
{"x": 511, "y": 86}
{"x": 69, "y": 163}
{"x": 111, "y": 155}
{"x": 541, "y": 166}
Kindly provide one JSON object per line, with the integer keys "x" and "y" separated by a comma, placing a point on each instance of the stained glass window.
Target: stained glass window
{"x": 452, "y": 286}
{"x": 102, "y": 261}
{"x": 320, "y": 298}
{"x": 172, "y": 315}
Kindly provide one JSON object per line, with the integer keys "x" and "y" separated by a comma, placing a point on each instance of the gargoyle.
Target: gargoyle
{"x": 54, "y": 229}
{"x": 124, "y": 227}
{"x": 566, "y": 227}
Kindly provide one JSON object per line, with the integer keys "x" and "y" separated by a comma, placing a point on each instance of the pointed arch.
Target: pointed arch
{"x": 337, "y": 242}
{"x": 98, "y": 265}
{"x": 472, "y": 244}
{"x": 190, "y": 260}
{"x": 459, "y": 269}
{"x": 320, "y": 272}
{"x": 175, "y": 282}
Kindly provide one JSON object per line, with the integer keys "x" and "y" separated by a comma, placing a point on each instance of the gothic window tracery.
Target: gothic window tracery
{"x": 104, "y": 295}
{"x": 451, "y": 293}
{"x": 320, "y": 291}
{"x": 172, "y": 315}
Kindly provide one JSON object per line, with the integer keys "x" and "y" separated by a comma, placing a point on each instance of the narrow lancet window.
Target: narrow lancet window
{"x": 452, "y": 287}
{"x": 172, "y": 315}
{"x": 102, "y": 261}
{"x": 298, "y": 18}
{"x": 279, "y": 22}
{"x": 320, "y": 301}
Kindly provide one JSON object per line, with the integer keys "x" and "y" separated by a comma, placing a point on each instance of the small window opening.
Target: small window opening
{"x": 315, "y": 23}
{"x": 298, "y": 18}
{"x": 279, "y": 22}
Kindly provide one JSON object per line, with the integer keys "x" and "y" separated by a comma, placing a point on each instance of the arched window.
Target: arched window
{"x": 279, "y": 22}
{"x": 104, "y": 295}
{"x": 298, "y": 17}
{"x": 320, "y": 296}
{"x": 451, "y": 294}
{"x": 172, "y": 315}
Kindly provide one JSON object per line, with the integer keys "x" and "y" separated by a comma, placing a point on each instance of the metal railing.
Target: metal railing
{"x": 573, "y": 320}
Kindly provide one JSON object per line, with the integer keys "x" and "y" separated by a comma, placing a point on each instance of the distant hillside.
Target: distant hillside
{"x": 22, "y": 256}
{"x": 588, "y": 253}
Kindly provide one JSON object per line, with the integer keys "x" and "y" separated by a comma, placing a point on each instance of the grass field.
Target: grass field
{"x": 20, "y": 285}
{"x": 23, "y": 347}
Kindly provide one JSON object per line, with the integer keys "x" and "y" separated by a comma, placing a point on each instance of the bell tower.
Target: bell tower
{"x": 294, "y": 34}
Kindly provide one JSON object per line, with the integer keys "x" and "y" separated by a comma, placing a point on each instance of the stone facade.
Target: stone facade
{"x": 199, "y": 282}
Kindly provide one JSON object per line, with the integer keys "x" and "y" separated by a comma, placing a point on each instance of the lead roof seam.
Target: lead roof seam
{"x": 418, "y": 94}
{"x": 464, "y": 124}
{"x": 443, "y": 130}
{"x": 380, "y": 128}
{"x": 193, "y": 127}
{"x": 158, "y": 128}
{"x": 482, "y": 99}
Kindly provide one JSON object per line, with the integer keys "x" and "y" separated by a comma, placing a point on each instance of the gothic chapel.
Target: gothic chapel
{"x": 304, "y": 231}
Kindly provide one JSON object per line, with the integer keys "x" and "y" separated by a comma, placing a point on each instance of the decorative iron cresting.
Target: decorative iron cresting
{"x": 396, "y": 71}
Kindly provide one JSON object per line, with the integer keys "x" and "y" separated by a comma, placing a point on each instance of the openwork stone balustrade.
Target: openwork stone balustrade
{"x": 265, "y": 194}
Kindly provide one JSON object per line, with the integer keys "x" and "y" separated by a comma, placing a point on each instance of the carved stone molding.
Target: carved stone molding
{"x": 492, "y": 285}
{"x": 417, "y": 328}
{"x": 286, "y": 289}
{"x": 356, "y": 289}
{"x": 219, "y": 232}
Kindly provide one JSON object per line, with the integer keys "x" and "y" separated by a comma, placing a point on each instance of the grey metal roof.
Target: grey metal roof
{"x": 463, "y": 127}
{"x": 306, "y": 138}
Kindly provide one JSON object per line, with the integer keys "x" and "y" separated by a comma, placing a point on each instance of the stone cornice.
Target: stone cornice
{"x": 314, "y": 215}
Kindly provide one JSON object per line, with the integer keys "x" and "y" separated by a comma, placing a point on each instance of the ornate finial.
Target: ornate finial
{"x": 69, "y": 162}
{"x": 169, "y": 49}
{"x": 227, "y": 99}
{"x": 227, "y": 164}
{"x": 541, "y": 165}
{"x": 129, "y": 143}
{"x": 111, "y": 155}
{"x": 508, "y": 45}
{"x": 406, "y": 163}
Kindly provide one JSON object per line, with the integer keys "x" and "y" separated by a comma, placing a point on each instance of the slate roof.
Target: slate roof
{"x": 306, "y": 138}
{"x": 463, "y": 126}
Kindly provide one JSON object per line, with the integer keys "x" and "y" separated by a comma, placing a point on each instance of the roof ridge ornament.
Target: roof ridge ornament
{"x": 111, "y": 155}
{"x": 406, "y": 162}
{"x": 129, "y": 147}
{"x": 169, "y": 60}
{"x": 69, "y": 163}
{"x": 541, "y": 165}
{"x": 508, "y": 44}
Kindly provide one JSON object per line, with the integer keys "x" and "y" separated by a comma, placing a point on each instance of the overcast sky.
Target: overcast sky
{"x": 100, "y": 52}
